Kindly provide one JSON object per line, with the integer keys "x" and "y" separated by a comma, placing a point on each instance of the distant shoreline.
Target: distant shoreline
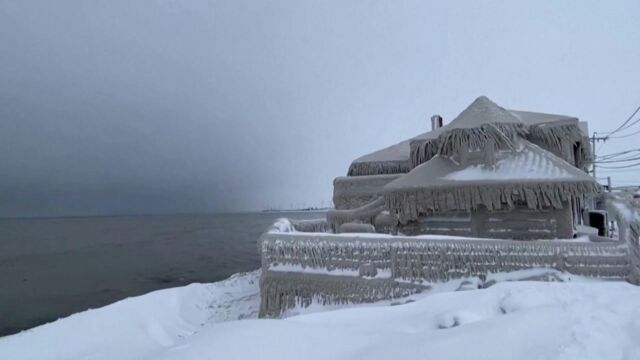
{"x": 295, "y": 210}
{"x": 161, "y": 214}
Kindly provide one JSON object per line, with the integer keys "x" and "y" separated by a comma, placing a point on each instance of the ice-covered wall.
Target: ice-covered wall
{"x": 298, "y": 268}
{"x": 522, "y": 223}
{"x": 519, "y": 223}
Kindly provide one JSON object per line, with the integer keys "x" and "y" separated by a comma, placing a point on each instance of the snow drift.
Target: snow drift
{"x": 510, "y": 320}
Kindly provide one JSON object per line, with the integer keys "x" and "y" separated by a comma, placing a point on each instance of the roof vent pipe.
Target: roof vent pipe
{"x": 436, "y": 122}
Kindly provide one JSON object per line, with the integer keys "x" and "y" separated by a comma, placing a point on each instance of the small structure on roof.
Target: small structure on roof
{"x": 494, "y": 190}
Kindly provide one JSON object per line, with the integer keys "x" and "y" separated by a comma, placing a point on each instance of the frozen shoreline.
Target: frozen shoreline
{"x": 577, "y": 318}
{"x": 55, "y": 267}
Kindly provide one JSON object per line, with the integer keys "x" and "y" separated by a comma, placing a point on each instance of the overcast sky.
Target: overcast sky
{"x": 115, "y": 107}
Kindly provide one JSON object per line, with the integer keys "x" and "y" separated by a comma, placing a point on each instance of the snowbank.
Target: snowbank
{"x": 510, "y": 320}
{"x": 138, "y": 327}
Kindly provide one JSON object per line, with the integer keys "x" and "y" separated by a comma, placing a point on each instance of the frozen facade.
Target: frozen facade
{"x": 493, "y": 190}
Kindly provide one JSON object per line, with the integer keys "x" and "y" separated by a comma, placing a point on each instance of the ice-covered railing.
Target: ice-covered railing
{"x": 441, "y": 257}
{"x": 354, "y": 191}
{"x": 314, "y": 225}
{"x": 284, "y": 225}
{"x": 301, "y": 267}
{"x": 624, "y": 210}
{"x": 364, "y": 214}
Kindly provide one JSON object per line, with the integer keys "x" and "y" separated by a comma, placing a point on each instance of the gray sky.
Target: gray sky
{"x": 159, "y": 106}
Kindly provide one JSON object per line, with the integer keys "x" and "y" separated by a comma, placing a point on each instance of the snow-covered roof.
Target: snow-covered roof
{"x": 483, "y": 111}
{"x": 536, "y": 118}
{"x": 393, "y": 159}
{"x": 396, "y": 152}
{"x": 526, "y": 164}
{"x": 529, "y": 164}
{"x": 480, "y": 119}
{"x": 530, "y": 174}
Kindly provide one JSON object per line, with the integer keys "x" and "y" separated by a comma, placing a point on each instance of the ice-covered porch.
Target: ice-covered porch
{"x": 299, "y": 267}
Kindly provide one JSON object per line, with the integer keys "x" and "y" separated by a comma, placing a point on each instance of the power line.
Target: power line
{"x": 621, "y": 167}
{"x": 615, "y": 155}
{"x": 620, "y": 171}
{"x": 595, "y": 139}
{"x": 630, "y": 125}
{"x": 618, "y": 160}
{"x": 627, "y": 135}
{"x": 624, "y": 123}
{"x": 620, "y": 152}
{"x": 624, "y": 126}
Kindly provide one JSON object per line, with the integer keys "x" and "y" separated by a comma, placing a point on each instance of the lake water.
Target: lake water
{"x": 53, "y": 267}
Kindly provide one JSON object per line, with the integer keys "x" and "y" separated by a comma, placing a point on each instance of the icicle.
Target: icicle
{"x": 422, "y": 151}
{"x": 409, "y": 203}
{"x": 502, "y": 134}
{"x": 560, "y": 139}
{"x": 378, "y": 168}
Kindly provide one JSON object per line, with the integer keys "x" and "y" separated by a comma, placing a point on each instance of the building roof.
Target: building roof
{"x": 530, "y": 163}
{"x": 483, "y": 111}
{"x": 393, "y": 159}
{"x": 536, "y": 118}
{"x": 529, "y": 174}
{"x": 396, "y": 152}
{"x": 398, "y": 158}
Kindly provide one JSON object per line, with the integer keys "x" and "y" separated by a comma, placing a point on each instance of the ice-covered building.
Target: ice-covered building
{"x": 493, "y": 190}
{"x": 490, "y": 173}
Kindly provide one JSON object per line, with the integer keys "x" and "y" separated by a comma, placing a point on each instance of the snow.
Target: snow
{"x": 576, "y": 319}
{"x": 278, "y": 267}
{"x": 624, "y": 210}
{"x": 483, "y": 111}
{"x": 138, "y": 327}
{"x": 312, "y": 270}
{"x": 524, "y": 164}
{"x": 284, "y": 226}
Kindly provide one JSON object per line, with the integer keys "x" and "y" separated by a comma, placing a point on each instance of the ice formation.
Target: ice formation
{"x": 494, "y": 190}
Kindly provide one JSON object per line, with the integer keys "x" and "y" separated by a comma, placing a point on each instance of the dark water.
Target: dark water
{"x": 51, "y": 268}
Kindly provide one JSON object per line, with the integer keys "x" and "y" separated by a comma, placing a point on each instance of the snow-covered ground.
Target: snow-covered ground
{"x": 575, "y": 319}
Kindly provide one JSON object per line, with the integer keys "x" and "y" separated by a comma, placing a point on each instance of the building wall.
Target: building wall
{"x": 520, "y": 223}
{"x": 451, "y": 223}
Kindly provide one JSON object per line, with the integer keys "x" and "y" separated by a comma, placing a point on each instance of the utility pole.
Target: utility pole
{"x": 595, "y": 139}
